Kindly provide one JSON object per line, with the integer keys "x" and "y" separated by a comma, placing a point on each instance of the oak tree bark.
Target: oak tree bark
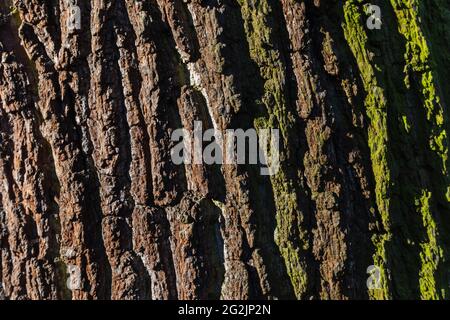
{"x": 92, "y": 207}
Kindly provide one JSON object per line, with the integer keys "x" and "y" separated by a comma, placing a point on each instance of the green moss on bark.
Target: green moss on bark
{"x": 377, "y": 133}
{"x": 275, "y": 114}
{"x": 398, "y": 196}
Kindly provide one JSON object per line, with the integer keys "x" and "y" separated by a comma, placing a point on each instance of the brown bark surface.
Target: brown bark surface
{"x": 88, "y": 188}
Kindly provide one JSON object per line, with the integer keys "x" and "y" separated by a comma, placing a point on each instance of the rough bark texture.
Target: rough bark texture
{"x": 86, "y": 177}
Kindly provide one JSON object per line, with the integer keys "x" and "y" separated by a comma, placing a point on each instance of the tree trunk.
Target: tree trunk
{"x": 92, "y": 205}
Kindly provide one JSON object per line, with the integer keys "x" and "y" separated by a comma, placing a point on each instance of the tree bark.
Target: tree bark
{"x": 93, "y": 207}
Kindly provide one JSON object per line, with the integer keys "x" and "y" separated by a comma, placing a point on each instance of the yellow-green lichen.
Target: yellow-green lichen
{"x": 375, "y": 103}
{"x": 419, "y": 62}
{"x": 259, "y": 32}
{"x": 418, "y": 77}
{"x": 431, "y": 253}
